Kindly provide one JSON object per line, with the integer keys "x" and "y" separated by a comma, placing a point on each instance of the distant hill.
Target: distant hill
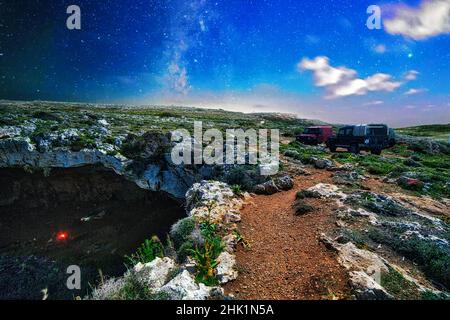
{"x": 435, "y": 131}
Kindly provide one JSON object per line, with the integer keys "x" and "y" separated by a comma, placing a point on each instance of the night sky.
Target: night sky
{"x": 313, "y": 58}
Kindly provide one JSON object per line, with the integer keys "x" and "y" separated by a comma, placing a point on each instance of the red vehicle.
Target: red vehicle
{"x": 315, "y": 135}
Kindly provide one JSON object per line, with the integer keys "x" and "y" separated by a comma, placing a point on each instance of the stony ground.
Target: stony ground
{"x": 286, "y": 259}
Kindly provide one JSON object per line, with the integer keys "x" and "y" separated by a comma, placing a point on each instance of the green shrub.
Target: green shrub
{"x": 303, "y": 194}
{"x": 433, "y": 259}
{"x": 82, "y": 142}
{"x": 185, "y": 250}
{"x": 181, "y": 231}
{"x": 379, "y": 169}
{"x": 246, "y": 176}
{"x": 208, "y": 230}
{"x": 206, "y": 261}
{"x": 133, "y": 289}
{"x": 302, "y": 208}
{"x": 394, "y": 282}
{"x": 206, "y": 255}
{"x": 430, "y": 295}
{"x": 302, "y": 152}
{"x": 236, "y": 189}
{"x": 147, "y": 252}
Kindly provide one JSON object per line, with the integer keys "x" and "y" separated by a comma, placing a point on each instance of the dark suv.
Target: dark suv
{"x": 370, "y": 137}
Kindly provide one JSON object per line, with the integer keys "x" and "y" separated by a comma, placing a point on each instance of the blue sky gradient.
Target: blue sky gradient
{"x": 236, "y": 54}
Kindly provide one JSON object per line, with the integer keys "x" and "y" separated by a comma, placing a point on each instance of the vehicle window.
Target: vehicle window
{"x": 346, "y": 132}
{"x": 376, "y": 131}
{"x": 312, "y": 131}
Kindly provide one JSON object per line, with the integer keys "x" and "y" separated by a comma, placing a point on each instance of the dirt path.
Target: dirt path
{"x": 285, "y": 259}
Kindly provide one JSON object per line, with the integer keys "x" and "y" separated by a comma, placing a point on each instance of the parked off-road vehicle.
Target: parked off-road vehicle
{"x": 368, "y": 137}
{"x": 315, "y": 135}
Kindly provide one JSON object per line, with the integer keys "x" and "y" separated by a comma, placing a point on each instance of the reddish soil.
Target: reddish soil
{"x": 285, "y": 259}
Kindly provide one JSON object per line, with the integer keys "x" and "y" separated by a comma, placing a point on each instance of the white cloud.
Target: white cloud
{"x": 324, "y": 74}
{"x": 373, "y": 103}
{"x": 341, "y": 81}
{"x": 414, "y": 91}
{"x": 430, "y": 19}
{"x": 411, "y": 75}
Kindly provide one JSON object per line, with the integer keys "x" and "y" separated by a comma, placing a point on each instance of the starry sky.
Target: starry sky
{"x": 317, "y": 59}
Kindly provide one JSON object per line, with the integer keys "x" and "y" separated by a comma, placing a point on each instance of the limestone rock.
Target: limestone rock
{"x": 225, "y": 270}
{"x": 155, "y": 273}
{"x": 365, "y": 269}
{"x": 322, "y": 163}
{"x": 365, "y": 287}
{"x": 353, "y": 258}
{"x": 327, "y": 191}
{"x": 284, "y": 183}
{"x": 184, "y": 287}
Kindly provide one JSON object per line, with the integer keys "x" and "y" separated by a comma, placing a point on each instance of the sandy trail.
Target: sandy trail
{"x": 286, "y": 260}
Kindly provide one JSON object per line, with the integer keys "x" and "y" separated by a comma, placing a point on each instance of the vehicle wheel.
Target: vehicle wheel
{"x": 354, "y": 148}
{"x": 375, "y": 151}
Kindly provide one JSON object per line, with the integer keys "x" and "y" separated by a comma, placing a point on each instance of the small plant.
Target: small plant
{"x": 206, "y": 262}
{"x": 147, "y": 252}
{"x": 236, "y": 190}
{"x": 133, "y": 289}
{"x": 206, "y": 255}
{"x": 434, "y": 260}
{"x": 302, "y": 208}
{"x": 181, "y": 231}
{"x": 302, "y": 194}
{"x": 240, "y": 239}
{"x": 208, "y": 230}
{"x": 185, "y": 250}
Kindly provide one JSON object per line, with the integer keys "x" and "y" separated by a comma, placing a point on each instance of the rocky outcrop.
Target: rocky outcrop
{"x": 365, "y": 269}
{"x": 282, "y": 183}
{"x": 157, "y": 174}
{"x": 322, "y": 163}
{"x": 226, "y": 269}
{"x": 325, "y": 190}
{"x": 421, "y": 144}
{"x": 184, "y": 287}
{"x": 155, "y": 273}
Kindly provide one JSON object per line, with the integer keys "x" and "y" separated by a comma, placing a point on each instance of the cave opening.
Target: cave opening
{"x": 88, "y": 216}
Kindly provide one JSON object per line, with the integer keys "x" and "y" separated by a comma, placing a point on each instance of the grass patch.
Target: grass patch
{"x": 434, "y": 260}
{"x": 437, "y": 131}
{"x": 430, "y": 295}
{"x": 402, "y": 289}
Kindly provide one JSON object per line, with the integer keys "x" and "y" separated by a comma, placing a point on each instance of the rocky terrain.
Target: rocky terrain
{"x": 387, "y": 221}
{"x": 328, "y": 226}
